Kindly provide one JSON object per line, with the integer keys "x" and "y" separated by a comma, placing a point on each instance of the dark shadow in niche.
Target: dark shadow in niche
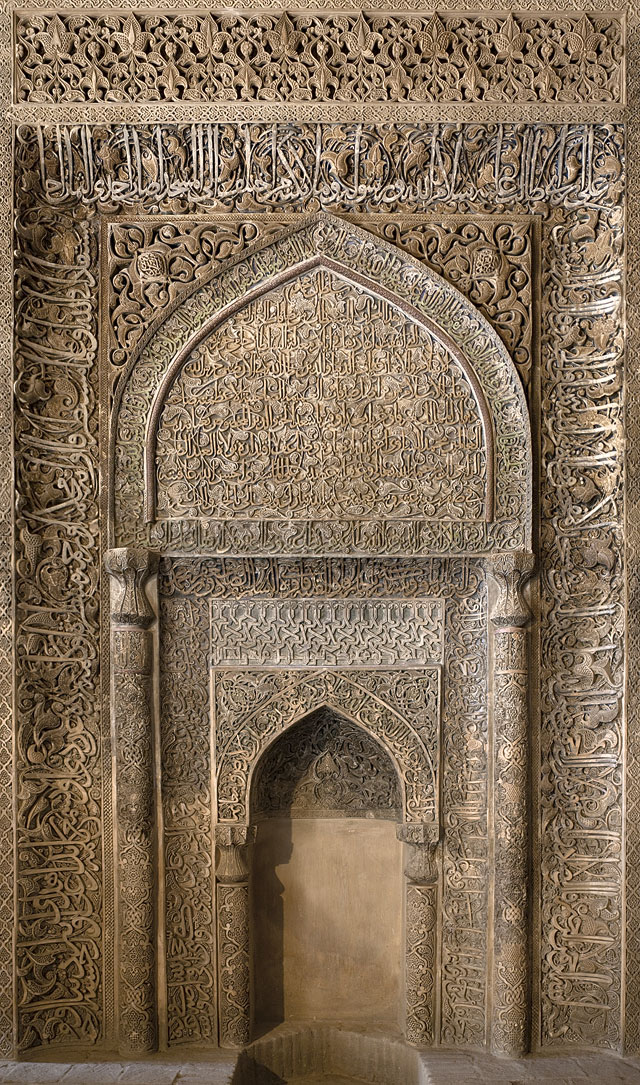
{"x": 324, "y": 767}
{"x": 248, "y": 1071}
{"x": 268, "y": 890}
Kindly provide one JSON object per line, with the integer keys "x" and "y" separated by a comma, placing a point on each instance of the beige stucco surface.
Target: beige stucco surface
{"x": 327, "y": 920}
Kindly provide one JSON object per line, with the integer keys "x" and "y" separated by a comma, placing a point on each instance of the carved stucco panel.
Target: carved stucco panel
{"x": 327, "y": 633}
{"x": 565, "y": 172}
{"x": 149, "y": 261}
{"x": 319, "y": 402}
{"x": 59, "y": 737}
{"x": 350, "y": 252}
{"x": 312, "y": 56}
{"x": 188, "y": 835}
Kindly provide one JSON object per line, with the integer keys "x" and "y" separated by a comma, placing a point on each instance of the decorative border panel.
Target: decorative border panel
{"x": 311, "y": 56}
{"x": 59, "y": 737}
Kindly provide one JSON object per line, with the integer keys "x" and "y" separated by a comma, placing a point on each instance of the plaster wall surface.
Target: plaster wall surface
{"x": 327, "y": 921}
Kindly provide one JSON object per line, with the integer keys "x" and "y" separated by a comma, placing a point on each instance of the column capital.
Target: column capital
{"x": 232, "y": 842}
{"x": 130, "y": 568}
{"x": 422, "y": 840}
{"x": 511, "y": 571}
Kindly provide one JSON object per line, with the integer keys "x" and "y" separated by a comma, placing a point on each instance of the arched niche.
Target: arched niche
{"x": 327, "y": 883}
{"x": 212, "y": 454}
{"x": 252, "y": 711}
{"x": 403, "y": 755}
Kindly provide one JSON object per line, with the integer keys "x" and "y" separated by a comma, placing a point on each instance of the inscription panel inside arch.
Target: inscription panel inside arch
{"x": 320, "y": 401}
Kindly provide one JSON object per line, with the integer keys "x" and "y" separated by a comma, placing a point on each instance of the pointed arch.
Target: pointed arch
{"x": 412, "y": 744}
{"x": 380, "y": 271}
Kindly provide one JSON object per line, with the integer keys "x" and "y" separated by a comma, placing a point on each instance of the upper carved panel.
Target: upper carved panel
{"x": 320, "y": 401}
{"x": 439, "y": 355}
{"x": 150, "y": 260}
{"x": 312, "y": 56}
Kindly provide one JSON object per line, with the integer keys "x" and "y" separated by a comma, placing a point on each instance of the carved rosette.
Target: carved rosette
{"x": 511, "y": 989}
{"x": 234, "y": 948}
{"x": 421, "y": 904}
{"x": 132, "y": 708}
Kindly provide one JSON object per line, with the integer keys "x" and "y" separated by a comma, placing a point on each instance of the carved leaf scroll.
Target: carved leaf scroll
{"x": 326, "y": 767}
{"x": 301, "y": 57}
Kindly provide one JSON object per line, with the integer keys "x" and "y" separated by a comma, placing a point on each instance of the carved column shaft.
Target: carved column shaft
{"x": 511, "y": 974}
{"x": 421, "y": 900}
{"x": 234, "y": 947}
{"x": 132, "y": 672}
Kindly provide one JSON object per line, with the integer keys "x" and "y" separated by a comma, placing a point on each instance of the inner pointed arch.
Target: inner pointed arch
{"x": 369, "y": 287}
{"x": 325, "y": 765}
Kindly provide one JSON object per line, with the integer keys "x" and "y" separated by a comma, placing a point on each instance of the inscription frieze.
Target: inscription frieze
{"x": 326, "y": 633}
{"x": 341, "y": 167}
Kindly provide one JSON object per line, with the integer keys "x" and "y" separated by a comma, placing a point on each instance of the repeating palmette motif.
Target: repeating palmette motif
{"x": 300, "y": 57}
{"x": 569, "y": 174}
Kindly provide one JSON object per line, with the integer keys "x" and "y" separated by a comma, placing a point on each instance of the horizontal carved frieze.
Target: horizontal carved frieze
{"x": 350, "y": 166}
{"x": 246, "y": 537}
{"x": 314, "y": 56}
{"x": 326, "y": 633}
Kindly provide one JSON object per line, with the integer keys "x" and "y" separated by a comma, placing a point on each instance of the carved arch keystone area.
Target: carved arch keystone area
{"x": 253, "y": 709}
{"x": 476, "y": 379}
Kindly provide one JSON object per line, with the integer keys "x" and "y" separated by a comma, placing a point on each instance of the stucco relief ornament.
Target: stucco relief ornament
{"x": 512, "y": 980}
{"x": 131, "y": 568}
{"x": 511, "y": 572}
{"x": 132, "y": 681}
